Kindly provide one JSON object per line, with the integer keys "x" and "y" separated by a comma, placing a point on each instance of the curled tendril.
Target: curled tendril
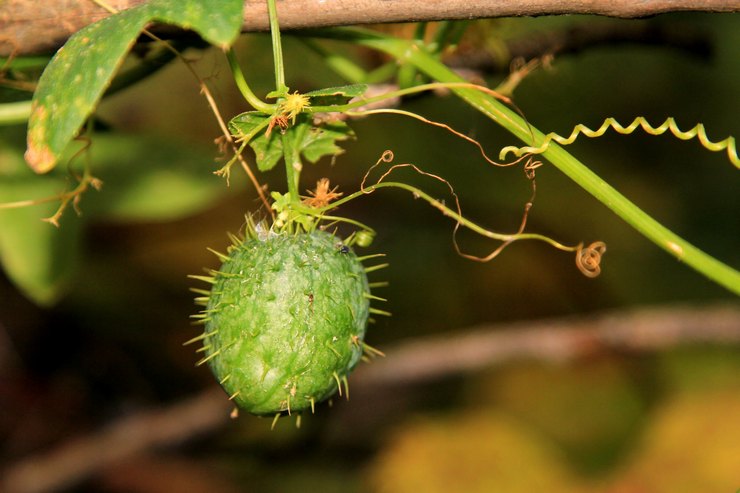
{"x": 669, "y": 125}
{"x": 386, "y": 157}
{"x": 530, "y": 167}
{"x": 588, "y": 259}
{"x": 461, "y": 221}
{"x": 444, "y": 126}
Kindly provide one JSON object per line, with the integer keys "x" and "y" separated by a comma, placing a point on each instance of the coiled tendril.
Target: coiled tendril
{"x": 669, "y": 125}
{"x": 588, "y": 259}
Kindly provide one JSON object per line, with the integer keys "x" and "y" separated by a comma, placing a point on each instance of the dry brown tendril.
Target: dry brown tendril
{"x": 588, "y": 259}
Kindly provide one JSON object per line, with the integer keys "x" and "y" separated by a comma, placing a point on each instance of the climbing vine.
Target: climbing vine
{"x": 294, "y": 233}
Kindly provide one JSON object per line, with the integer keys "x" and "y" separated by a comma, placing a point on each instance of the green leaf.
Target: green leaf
{"x": 78, "y": 75}
{"x": 321, "y": 141}
{"x": 268, "y": 150}
{"x": 217, "y": 21}
{"x": 246, "y": 125}
{"x": 313, "y": 142}
{"x": 144, "y": 178}
{"x": 150, "y": 178}
{"x": 73, "y": 83}
{"x": 336, "y": 95}
{"x": 37, "y": 257}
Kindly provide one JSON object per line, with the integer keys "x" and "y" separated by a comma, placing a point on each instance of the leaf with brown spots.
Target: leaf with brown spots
{"x": 81, "y": 71}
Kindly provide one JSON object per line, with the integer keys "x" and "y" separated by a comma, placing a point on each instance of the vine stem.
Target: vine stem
{"x": 684, "y": 251}
{"x": 241, "y": 84}
{"x": 291, "y": 153}
{"x": 277, "y": 49}
{"x": 445, "y": 210}
{"x": 430, "y": 86}
{"x": 14, "y": 113}
{"x": 292, "y": 158}
{"x": 341, "y": 65}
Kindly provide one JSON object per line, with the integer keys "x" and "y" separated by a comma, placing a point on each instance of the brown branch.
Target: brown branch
{"x": 410, "y": 363}
{"x": 551, "y": 340}
{"x": 678, "y": 36}
{"x": 79, "y": 458}
{"x": 28, "y": 28}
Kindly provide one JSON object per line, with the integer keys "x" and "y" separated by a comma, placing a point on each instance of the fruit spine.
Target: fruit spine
{"x": 285, "y": 319}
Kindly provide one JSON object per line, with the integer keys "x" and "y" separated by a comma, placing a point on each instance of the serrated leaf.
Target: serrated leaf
{"x": 313, "y": 142}
{"x": 321, "y": 141}
{"x": 268, "y": 150}
{"x": 336, "y": 95}
{"x": 77, "y": 76}
{"x": 247, "y": 123}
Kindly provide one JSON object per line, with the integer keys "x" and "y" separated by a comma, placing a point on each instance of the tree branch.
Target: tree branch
{"x": 557, "y": 340}
{"x": 678, "y": 36}
{"x": 26, "y": 28}
{"x": 79, "y": 458}
{"x": 411, "y": 363}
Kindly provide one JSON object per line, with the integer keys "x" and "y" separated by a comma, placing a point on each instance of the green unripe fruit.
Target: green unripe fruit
{"x": 285, "y": 320}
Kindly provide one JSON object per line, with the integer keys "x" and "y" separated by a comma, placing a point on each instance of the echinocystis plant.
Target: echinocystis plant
{"x": 285, "y": 319}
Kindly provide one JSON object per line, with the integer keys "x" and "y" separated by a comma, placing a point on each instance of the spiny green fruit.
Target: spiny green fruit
{"x": 285, "y": 320}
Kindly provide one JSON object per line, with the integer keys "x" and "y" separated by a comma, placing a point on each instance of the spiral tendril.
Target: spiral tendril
{"x": 669, "y": 125}
{"x": 588, "y": 259}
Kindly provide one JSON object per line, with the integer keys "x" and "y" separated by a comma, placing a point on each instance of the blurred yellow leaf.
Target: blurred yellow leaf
{"x": 592, "y": 409}
{"x": 471, "y": 452}
{"x": 692, "y": 446}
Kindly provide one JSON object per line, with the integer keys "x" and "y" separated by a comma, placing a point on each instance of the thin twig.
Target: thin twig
{"x": 206, "y": 92}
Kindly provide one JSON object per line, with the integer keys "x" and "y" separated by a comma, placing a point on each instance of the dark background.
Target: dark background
{"x": 110, "y": 348}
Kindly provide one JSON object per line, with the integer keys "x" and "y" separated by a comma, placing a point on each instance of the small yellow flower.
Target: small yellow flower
{"x": 293, "y": 105}
{"x": 288, "y": 110}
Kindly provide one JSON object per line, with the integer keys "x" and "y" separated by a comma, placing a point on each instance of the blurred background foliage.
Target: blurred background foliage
{"x": 103, "y": 338}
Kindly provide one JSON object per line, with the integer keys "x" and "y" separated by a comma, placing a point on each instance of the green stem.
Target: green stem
{"x": 407, "y": 73}
{"x": 589, "y": 181}
{"x": 291, "y": 153}
{"x": 381, "y": 74}
{"x": 447, "y": 211}
{"x": 277, "y": 49}
{"x": 244, "y": 88}
{"x": 23, "y": 63}
{"x": 342, "y": 108}
{"x": 15, "y": 113}
{"x": 343, "y": 66}
{"x": 448, "y": 33}
{"x": 670, "y": 242}
{"x": 338, "y": 219}
{"x": 292, "y": 158}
